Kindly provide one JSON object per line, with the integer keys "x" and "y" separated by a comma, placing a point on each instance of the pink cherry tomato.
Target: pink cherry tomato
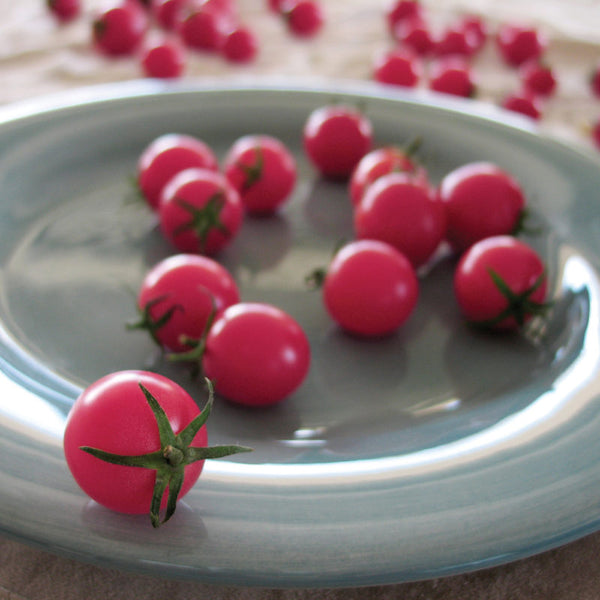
{"x": 262, "y": 170}
{"x": 256, "y": 354}
{"x": 178, "y": 297}
{"x": 200, "y": 211}
{"x": 335, "y": 138}
{"x": 500, "y": 283}
{"x": 166, "y": 156}
{"x": 370, "y": 288}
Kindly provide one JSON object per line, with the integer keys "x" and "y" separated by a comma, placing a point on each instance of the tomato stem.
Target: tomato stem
{"x": 175, "y": 454}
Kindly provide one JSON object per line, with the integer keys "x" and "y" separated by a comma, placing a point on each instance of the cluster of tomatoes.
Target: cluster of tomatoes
{"x": 254, "y": 353}
{"x": 160, "y": 32}
{"x": 402, "y": 221}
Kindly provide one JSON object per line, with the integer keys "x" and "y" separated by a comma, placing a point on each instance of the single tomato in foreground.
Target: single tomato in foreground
{"x": 500, "y": 283}
{"x": 136, "y": 441}
{"x": 262, "y": 170}
{"x": 370, "y": 288}
{"x": 180, "y": 295}
{"x": 481, "y": 200}
{"x": 256, "y": 354}
{"x": 200, "y": 211}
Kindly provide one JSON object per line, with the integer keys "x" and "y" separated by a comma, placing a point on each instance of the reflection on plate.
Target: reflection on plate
{"x": 435, "y": 451}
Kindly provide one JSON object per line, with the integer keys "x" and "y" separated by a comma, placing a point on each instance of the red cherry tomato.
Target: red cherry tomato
{"x": 481, "y": 200}
{"x": 401, "y": 211}
{"x": 256, "y": 354}
{"x": 500, "y": 283}
{"x": 518, "y": 44}
{"x": 166, "y": 156}
{"x": 262, "y": 170}
{"x": 370, "y": 288}
{"x": 113, "y": 415}
{"x": 335, "y": 138}
{"x": 64, "y": 10}
{"x": 382, "y": 161}
{"x": 398, "y": 66}
{"x": 120, "y": 29}
{"x": 200, "y": 211}
{"x": 180, "y": 295}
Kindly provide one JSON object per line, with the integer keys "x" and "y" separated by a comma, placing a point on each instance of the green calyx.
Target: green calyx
{"x": 520, "y": 306}
{"x": 253, "y": 172}
{"x": 203, "y": 220}
{"x": 150, "y": 324}
{"x": 174, "y": 455}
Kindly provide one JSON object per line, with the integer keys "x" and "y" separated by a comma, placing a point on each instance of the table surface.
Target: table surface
{"x": 38, "y": 57}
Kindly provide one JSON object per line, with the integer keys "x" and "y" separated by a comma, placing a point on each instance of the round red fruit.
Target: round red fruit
{"x": 166, "y": 156}
{"x": 200, "y": 211}
{"x": 518, "y": 44}
{"x": 163, "y": 59}
{"x": 120, "y": 29}
{"x": 335, "y": 138}
{"x": 481, "y": 200}
{"x": 304, "y": 18}
{"x": 370, "y": 288}
{"x": 256, "y": 353}
{"x": 180, "y": 296}
{"x": 452, "y": 75}
{"x": 500, "y": 283}
{"x": 399, "y": 66}
{"x": 403, "y": 212}
{"x": 240, "y": 45}
{"x": 379, "y": 162}
{"x": 262, "y": 170}
{"x": 64, "y": 10}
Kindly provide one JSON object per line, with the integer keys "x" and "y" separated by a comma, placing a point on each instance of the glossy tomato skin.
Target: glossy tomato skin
{"x": 191, "y": 286}
{"x": 379, "y": 162}
{"x": 112, "y": 414}
{"x": 370, "y": 288}
{"x": 520, "y": 267}
{"x": 481, "y": 200}
{"x": 262, "y": 170}
{"x": 256, "y": 354}
{"x": 195, "y": 190}
{"x": 335, "y": 138}
{"x": 166, "y": 156}
{"x": 403, "y": 212}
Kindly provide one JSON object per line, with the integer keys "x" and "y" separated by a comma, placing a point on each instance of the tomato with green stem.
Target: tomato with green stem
{"x": 178, "y": 297}
{"x": 200, "y": 211}
{"x": 263, "y": 171}
{"x": 501, "y": 283}
{"x": 136, "y": 442}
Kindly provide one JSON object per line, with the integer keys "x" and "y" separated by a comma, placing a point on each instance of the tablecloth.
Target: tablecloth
{"x": 39, "y": 56}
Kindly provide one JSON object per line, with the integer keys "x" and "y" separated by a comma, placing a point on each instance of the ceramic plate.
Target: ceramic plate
{"x": 435, "y": 451}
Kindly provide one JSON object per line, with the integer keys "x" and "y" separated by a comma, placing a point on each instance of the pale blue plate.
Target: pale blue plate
{"x": 436, "y": 451}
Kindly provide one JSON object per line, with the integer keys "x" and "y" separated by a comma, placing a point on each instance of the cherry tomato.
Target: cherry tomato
{"x": 240, "y": 45}
{"x": 403, "y": 212}
{"x": 180, "y": 295}
{"x": 256, "y": 354}
{"x": 370, "y": 288}
{"x": 398, "y": 66}
{"x": 538, "y": 78}
{"x": 382, "y": 161}
{"x": 166, "y": 156}
{"x": 402, "y": 10}
{"x": 304, "y": 18}
{"x": 163, "y": 58}
{"x": 452, "y": 75}
{"x": 518, "y": 44}
{"x": 262, "y": 170}
{"x": 481, "y": 200}
{"x": 335, "y": 138}
{"x": 524, "y": 103}
{"x": 500, "y": 282}
{"x": 113, "y": 415}
{"x": 119, "y": 29}
{"x": 200, "y": 211}
{"x": 64, "y": 10}
{"x": 201, "y": 27}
